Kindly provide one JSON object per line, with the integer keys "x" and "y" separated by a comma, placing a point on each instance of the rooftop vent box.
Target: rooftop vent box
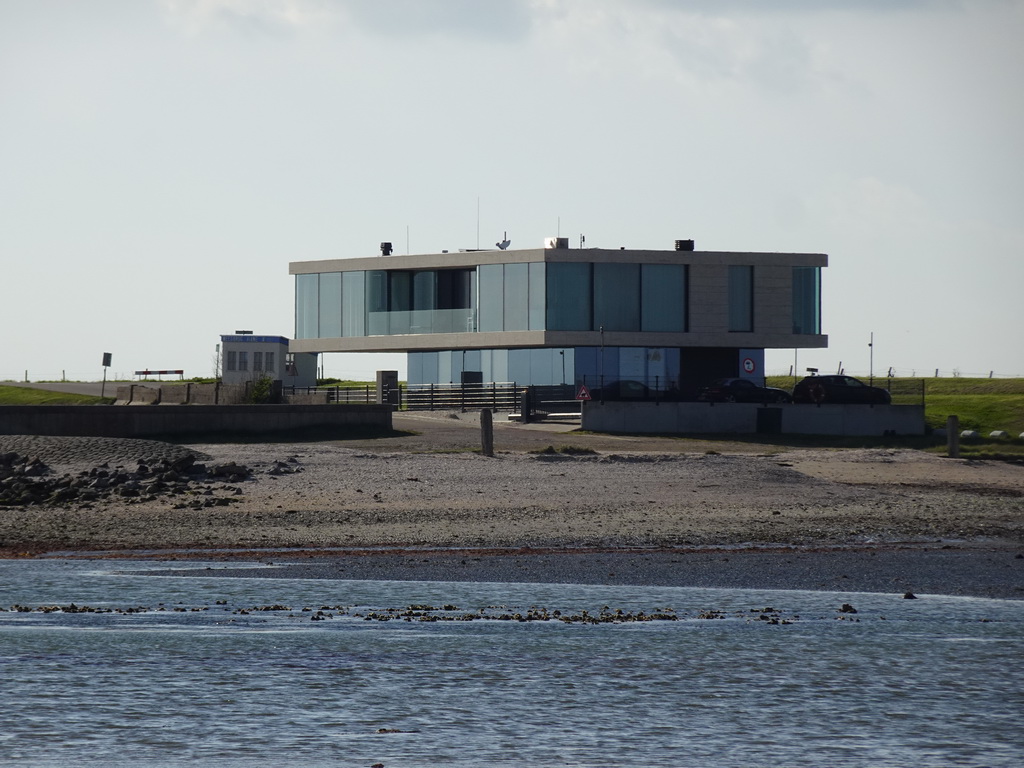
{"x": 684, "y": 245}
{"x": 556, "y": 242}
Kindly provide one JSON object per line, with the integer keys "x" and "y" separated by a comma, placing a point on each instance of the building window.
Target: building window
{"x": 232, "y": 361}
{"x": 806, "y": 300}
{"x": 376, "y": 302}
{"x": 257, "y": 361}
{"x": 569, "y": 296}
{"x": 329, "y": 314}
{"x": 268, "y": 362}
{"x": 741, "y": 298}
{"x": 492, "y": 297}
{"x": 663, "y": 297}
{"x": 617, "y": 297}
{"x": 353, "y": 303}
{"x": 307, "y": 289}
{"x": 516, "y": 290}
{"x": 537, "y": 295}
{"x": 243, "y": 361}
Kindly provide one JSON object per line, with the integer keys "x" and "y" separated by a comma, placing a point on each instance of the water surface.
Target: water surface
{"x": 173, "y": 669}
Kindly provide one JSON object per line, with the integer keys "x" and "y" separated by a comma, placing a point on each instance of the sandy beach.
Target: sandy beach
{"x": 425, "y": 504}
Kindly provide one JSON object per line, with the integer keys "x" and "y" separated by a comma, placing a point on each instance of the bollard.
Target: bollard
{"x": 487, "y": 432}
{"x": 953, "y": 437}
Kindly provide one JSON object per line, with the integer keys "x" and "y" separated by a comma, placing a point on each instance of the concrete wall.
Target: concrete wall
{"x": 308, "y": 398}
{"x": 161, "y": 421}
{"x": 189, "y": 393}
{"x": 742, "y": 418}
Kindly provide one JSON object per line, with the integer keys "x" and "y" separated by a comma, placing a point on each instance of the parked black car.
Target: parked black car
{"x": 838, "y": 389}
{"x": 742, "y": 391}
{"x": 627, "y": 389}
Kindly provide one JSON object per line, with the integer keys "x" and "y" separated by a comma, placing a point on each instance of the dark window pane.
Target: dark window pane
{"x": 741, "y": 298}
{"x": 568, "y": 296}
{"x": 617, "y": 296}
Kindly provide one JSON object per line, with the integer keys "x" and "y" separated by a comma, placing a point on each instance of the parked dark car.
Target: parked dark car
{"x": 742, "y": 391}
{"x": 628, "y": 389}
{"x": 838, "y": 389}
{"x": 625, "y": 389}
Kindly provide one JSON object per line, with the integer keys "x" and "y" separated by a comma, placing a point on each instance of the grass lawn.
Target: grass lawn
{"x": 26, "y": 396}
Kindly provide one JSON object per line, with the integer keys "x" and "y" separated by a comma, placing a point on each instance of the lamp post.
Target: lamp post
{"x": 871, "y": 359}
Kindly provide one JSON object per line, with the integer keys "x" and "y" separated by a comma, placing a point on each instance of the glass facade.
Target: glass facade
{"x": 806, "y": 300}
{"x": 534, "y": 296}
{"x": 390, "y": 302}
{"x": 545, "y": 366}
{"x": 656, "y": 368}
{"x": 618, "y": 297}
{"x": 741, "y": 298}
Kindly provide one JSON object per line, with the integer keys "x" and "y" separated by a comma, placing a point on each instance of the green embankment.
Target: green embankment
{"x": 983, "y": 405}
{"x": 980, "y": 404}
{"x": 25, "y": 396}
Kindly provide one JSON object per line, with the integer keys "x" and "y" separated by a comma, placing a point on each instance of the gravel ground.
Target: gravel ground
{"x": 636, "y": 510}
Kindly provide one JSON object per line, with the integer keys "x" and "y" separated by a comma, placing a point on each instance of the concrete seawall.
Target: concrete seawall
{"x": 183, "y": 420}
{"x": 748, "y": 418}
{"x": 189, "y": 393}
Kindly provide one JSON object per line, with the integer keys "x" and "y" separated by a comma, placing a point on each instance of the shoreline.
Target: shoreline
{"x": 993, "y": 570}
{"x": 424, "y": 504}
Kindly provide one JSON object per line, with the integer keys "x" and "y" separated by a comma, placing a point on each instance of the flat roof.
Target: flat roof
{"x": 601, "y": 255}
{"x": 248, "y": 337}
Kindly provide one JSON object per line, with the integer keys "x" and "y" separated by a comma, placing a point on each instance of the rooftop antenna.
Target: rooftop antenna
{"x": 504, "y": 243}
{"x": 478, "y": 222}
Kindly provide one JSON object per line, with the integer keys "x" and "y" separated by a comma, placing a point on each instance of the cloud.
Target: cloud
{"x": 269, "y": 17}
{"x": 732, "y": 7}
{"x": 507, "y": 20}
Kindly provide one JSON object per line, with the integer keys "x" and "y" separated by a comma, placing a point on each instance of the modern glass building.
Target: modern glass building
{"x": 671, "y": 320}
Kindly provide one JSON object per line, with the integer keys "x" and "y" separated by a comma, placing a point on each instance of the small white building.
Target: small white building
{"x": 247, "y": 357}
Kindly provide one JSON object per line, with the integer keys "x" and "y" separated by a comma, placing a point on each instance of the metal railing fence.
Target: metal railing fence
{"x": 497, "y": 396}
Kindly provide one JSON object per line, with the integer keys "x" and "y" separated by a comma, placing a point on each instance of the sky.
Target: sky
{"x": 162, "y": 161}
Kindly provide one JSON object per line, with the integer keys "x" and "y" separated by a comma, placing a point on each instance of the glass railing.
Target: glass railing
{"x": 421, "y": 321}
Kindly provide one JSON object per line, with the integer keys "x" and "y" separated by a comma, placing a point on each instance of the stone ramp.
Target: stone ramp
{"x": 64, "y": 451}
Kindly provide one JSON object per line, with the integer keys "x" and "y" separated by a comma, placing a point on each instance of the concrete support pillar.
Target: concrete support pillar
{"x": 487, "y": 432}
{"x": 953, "y": 437}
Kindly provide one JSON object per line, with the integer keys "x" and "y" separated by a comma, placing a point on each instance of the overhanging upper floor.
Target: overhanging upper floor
{"x": 559, "y": 297}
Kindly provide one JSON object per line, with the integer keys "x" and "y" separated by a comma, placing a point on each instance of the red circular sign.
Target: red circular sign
{"x": 749, "y": 365}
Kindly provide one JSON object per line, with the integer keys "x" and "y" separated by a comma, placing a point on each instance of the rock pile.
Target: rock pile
{"x": 26, "y": 481}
